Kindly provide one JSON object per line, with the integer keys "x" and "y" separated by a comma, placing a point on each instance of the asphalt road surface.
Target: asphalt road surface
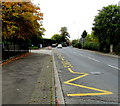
{"x": 87, "y": 77}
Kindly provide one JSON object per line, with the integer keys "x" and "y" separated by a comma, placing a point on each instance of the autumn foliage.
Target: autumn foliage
{"x": 21, "y": 20}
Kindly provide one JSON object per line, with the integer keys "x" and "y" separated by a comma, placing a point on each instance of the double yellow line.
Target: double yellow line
{"x": 69, "y": 82}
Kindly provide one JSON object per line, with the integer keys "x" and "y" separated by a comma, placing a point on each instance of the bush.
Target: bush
{"x": 77, "y": 45}
{"x": 64, "y": 44}
{"x": 117, "y": 49}
{"x": 104, "y": 47}
{"x": 91, "y": 45}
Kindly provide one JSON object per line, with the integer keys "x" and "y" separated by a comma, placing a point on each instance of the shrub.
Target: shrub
{"x": 64, "y": 44}
{"x": 77, "y": 45}
{"x": 91, "y": 45}
{"x": 117, "y": 49}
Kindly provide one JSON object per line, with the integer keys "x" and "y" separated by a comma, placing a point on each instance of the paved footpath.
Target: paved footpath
{"x": 29, "y": 79}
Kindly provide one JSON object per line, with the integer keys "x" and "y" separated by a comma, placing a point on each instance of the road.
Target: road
{"x": 87, "y": 77}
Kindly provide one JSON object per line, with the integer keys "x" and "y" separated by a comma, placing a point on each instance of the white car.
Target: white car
{"x": 59, "y": 46}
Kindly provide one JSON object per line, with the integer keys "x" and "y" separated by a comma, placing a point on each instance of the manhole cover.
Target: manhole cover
{"x": 95, "y": 73}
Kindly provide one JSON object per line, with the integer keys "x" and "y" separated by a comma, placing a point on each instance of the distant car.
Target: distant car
{"x": 53, "y": 45}
{"x": 59, "y": 46}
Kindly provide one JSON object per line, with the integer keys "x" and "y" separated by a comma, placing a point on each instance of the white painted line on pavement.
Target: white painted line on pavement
{"x": 113, "y": 67}
{"x": 93, "y": 59}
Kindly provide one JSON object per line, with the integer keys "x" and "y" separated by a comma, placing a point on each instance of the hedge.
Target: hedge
{"x": 91, "y": 45}
{"x": 117, "y": 49}
{"x": 77, "y": 45}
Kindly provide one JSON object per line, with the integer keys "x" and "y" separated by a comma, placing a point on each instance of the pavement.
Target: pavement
{"x": 29, "y": 79}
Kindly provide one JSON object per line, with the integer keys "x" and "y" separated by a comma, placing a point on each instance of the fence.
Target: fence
{"x": 13, "y": 50}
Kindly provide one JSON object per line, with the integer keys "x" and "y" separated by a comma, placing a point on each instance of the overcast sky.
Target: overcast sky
{"x": 76, "y": 15}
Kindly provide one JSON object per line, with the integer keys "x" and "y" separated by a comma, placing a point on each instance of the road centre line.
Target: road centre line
{"x": 90, "y": 58}
{"x": 93, "y": 59}
{"x": 99, "y": 61}
{"x": 81, "y": 55}
{"x": 113, "y": 67}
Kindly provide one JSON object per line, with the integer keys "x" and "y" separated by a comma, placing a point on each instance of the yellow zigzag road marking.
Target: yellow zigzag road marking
{"x": 82, "y": 86}
{"x": 67, "y": 64}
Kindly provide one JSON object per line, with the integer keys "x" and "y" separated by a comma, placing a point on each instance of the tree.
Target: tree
{"x": 65, "y": 35}
{"x": 20, "y": 21}
{"x": 62, "y": 38}
{"x": 57, "y": 38}
{"x": 84, "y": 34}
{"x": 76, "y": 44}
{"x": 91, "y": 37}
{"x": 106, "y": 25}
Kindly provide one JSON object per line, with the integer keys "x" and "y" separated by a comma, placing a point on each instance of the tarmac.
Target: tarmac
{"x": 30, "y": 79}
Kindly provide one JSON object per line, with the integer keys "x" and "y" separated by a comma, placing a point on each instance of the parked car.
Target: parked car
{"x": 59, "y": 46}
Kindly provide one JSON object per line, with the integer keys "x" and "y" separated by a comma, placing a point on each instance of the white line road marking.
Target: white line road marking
{"x": 113, "y": 67}
{"x": 81, "y": 54}
{"x": 93, "y": 59}
{"x": 89, "y": 57}
{"x": 97, "y": 61}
